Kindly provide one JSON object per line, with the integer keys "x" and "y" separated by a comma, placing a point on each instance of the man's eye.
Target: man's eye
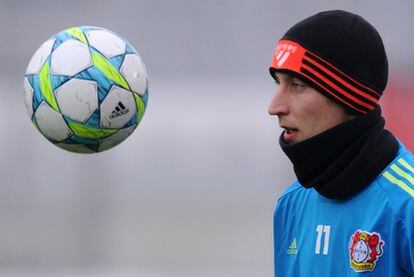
{"x": 297, "y": 85}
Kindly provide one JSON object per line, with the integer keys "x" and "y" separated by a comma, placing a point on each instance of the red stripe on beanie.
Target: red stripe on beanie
{"x": 338, "y": 89}
{"x": 337, "y": 96}
{"x": 291, "y": 56}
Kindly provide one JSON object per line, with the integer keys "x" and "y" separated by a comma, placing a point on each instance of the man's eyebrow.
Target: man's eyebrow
{"x": 284, "y": 77}
{"x": 297, "y": 79}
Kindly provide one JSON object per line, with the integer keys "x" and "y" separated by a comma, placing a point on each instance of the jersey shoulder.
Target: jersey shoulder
{"x": 294, "y": 192}
{"x": 296, "y": 186}
{"x": 287, "y": 201}
{"x": 397, "y": 181}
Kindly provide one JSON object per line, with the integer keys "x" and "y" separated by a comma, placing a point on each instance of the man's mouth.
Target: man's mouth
{"x": 290, "y": 134}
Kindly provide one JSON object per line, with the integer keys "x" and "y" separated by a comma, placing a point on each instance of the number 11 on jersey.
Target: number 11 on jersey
{"x": 322, "y": 229}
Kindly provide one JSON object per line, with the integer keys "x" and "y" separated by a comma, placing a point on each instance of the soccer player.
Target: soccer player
{"x": 351, "y": 210}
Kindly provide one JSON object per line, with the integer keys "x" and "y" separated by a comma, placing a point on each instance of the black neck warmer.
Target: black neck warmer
{"x": 344, "y": 159}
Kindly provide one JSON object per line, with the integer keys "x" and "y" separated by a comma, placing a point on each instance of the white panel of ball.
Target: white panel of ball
{"x": 115, "y": 139}
{"x": 107, "y": 43}
{"x": 133, "y": 70}
{"x": 70, "y": 58}
{"x": 112, "y": 113}
{"x": 51, "y": 123}
{"x": 28, "y": 97}
{"x": 40, "y": 57}
{"x": 78, "y": 99}
{"x": 77, "y": 148}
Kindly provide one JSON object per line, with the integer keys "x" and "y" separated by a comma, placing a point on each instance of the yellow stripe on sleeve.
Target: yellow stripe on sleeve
{"x": 406, "y": 165}
{"x": 399, "y": 183}
{"x": 402, "y": 173}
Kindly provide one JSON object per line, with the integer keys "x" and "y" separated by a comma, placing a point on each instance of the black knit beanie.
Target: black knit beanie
{"x": 339, "y": 54}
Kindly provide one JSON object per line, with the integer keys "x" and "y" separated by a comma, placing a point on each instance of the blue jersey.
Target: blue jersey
{"x": 371, "y": 234}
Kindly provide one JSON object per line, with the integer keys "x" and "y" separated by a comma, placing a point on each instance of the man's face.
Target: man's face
{"x": 302, "y": 111}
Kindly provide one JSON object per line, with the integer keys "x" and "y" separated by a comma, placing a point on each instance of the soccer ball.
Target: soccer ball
{"x": 86, "y": 89}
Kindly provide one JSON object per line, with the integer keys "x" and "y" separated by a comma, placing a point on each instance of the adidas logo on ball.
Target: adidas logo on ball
{"x": 119, "y": 110}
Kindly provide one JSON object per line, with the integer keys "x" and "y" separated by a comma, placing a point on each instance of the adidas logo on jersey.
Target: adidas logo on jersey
{"x": 119, "y": 110}
{"x": 293, "y": 249}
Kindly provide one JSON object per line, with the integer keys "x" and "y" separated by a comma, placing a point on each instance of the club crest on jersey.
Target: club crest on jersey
{"x": 365, "y": 248}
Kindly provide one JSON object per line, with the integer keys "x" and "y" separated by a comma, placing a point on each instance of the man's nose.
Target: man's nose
{"x": 278, "y": 104}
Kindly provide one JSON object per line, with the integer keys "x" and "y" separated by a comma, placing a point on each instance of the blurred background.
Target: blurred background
{"x": 192, "y": 191}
